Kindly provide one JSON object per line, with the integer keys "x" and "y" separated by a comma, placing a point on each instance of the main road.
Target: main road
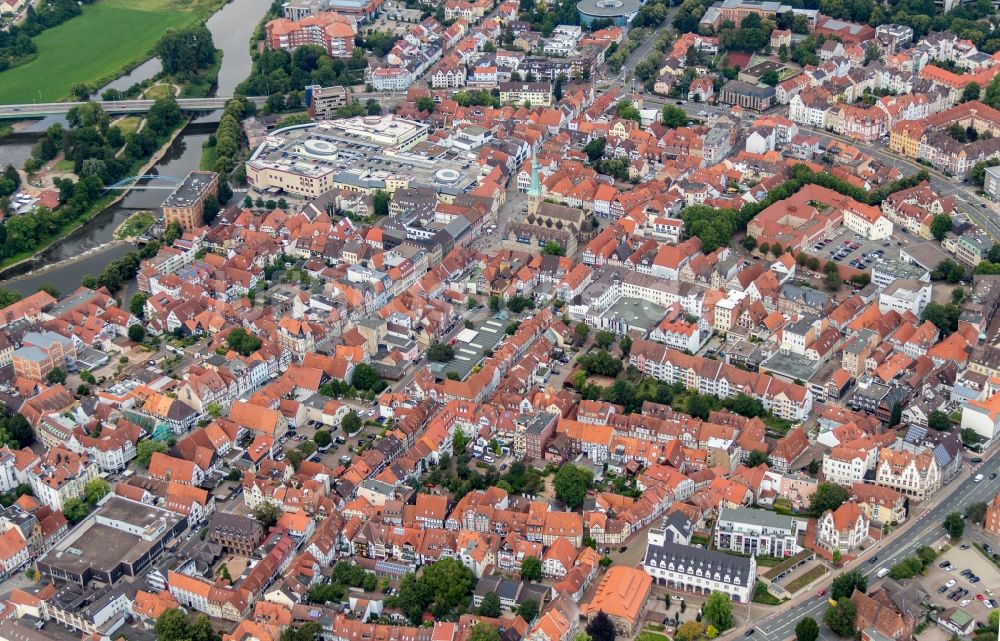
{"x": 924, "y": 530}
{"x": 32, "y": 110}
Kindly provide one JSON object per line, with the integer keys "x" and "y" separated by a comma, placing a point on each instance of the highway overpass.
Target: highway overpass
{"x": 38, "y": 110}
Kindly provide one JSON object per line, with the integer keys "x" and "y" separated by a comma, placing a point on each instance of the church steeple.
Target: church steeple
{"x": 535, "y": 190}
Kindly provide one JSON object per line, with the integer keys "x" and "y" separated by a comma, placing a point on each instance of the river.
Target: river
{"x": 231, "y": 27}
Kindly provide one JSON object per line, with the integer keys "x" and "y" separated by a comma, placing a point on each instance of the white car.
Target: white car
{"x": 950, "y": 584}
{"x": 965, "y": 602}
{"x": 977, "y": 478}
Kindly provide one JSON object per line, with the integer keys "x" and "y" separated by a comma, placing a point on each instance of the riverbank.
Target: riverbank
{"x": 81, "y": 51}
{"x": 9, "y": 265}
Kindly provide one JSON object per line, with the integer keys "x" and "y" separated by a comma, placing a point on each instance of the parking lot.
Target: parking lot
{"x": 852, "y": 249}
{"x": 344, "y": 447}
{"x": 967, "y": 581}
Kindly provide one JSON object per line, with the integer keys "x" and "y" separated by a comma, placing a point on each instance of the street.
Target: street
{"x": 923, "y": 530}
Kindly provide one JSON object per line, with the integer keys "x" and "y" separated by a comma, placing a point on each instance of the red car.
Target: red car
{"x": 980, "y": 597}
{"x": 821, "y": 593}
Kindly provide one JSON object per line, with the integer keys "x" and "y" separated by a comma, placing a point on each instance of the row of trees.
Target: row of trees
{"x": 121, "y": 270}
{"x": 229, "y": 133}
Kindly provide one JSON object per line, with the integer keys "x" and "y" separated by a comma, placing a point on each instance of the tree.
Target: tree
{"x": 56, "y": 376}
{"x": 528, "y": 610}
{"x": 186, "y": 50}
{"x": 325, "y": 592}
{"x": 940, "y": 226}
{"x": 15, "y": 431}
{"x": 571, "y": 485}
{"x": 756, "y": 458}
{"x": 552, "y": 248}
{"x": 75, "y": 510}
{"x": 322, "y": 438}
{"x": 380, "y": 203}
{"x": 483, "y": 632}
{"x": 673, "y": 117}
{"x": 425, "y": 103}
{"x": 976, "y": 512}
{"x": 604, "y": 339}
{"x": 689, "y": 630}
{"x": 971, "y": 92}
{"x": 948, "y": 270}
{"x": 136, "y": 333}
{"x": 145, "y": 449}
{"x": 806, "y": 629}
{"x": 832, "y": 280}
{"x": 595, "y": 148}
{"x": 95, "y": 490}
{"x": 351, "y": 423}
{"x": 944, "y": 316}
{"x": 625, "y": 345}
{"x": 531, "y": 569}
{"x": 836, "y": 557}
{"x": 840, "y": 618}
{"x": 954, "y": 524}
{"x": 580, "y": 333}
{"x": 491, "y": 606}
{"x": 828, "y": 496}
{"x": 601, "y": 628}
{"x": 306, "y": 632}
{"x": 243, "y": 342}
{"x": 450, "y": 581}
{"x": 172, "y": 625}
{"x": 440, "y": 352}
{"x": 770, "y": 77}
{"x": 267, "y": 514}
{"x": 365, "y": 377}
{"x": 843, "y": 585}
{"x": 938, "y": 420}
{"x": 896, "y": 415}
{"x": 718, "y": 610}
{"x": 137, "y": 306}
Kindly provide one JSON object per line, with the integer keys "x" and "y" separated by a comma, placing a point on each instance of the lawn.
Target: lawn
{"x": 128, "y": 124}
{"x": 802, "y": 581}
{"x": 647, "y": 635}
{"x": 97, "y": 46}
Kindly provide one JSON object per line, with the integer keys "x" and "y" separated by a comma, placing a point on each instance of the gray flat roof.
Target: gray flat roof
{"x": 608, "y": 8}
{"x": 762, "y": 518}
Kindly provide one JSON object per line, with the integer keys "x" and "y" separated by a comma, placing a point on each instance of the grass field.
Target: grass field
{"x": 97, "y": 46}
{"x": 159, "y": 91}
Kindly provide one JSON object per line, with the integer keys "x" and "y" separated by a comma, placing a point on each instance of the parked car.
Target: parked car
{"x": 950, "y": 583}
